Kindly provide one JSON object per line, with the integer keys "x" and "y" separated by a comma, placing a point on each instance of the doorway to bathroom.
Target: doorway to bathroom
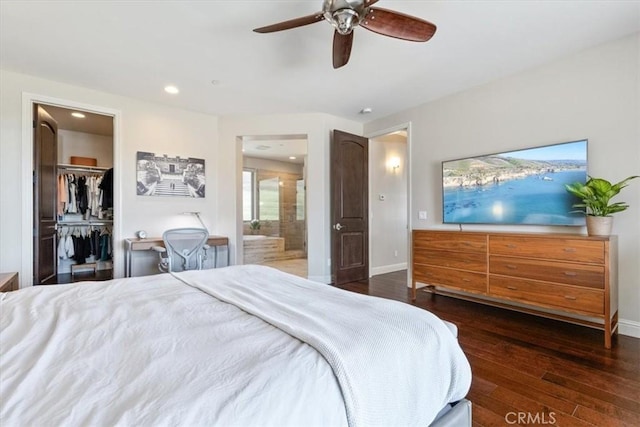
{"x": 274, "y": 216}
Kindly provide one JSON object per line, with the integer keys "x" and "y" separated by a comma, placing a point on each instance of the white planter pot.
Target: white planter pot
{"x": 599, "y": 225}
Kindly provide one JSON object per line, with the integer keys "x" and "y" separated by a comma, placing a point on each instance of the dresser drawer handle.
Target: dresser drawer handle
{"x": 513, "y": 288}
{"x": 512, "y": 246}
{"x": 512, "y": 267}
{"x": 466, "y": 280}
{"x": 570, "y": 273}
{"x": 572, "y": 298}
{"x": 571, "y": 250}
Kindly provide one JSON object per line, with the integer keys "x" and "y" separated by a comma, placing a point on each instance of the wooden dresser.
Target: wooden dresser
{"x": 561, "y": 276}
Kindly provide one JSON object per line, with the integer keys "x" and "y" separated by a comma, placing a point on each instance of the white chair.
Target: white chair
{"x": 184, "y": 249}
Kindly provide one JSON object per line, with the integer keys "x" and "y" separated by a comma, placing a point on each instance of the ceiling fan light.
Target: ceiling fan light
{"x": 345, "y": 20}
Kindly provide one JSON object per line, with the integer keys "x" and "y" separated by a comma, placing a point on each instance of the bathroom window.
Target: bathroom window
{"x": 269, "y": 199}
{"x": 248, "y": 195}
{"x": 300, "y": 200}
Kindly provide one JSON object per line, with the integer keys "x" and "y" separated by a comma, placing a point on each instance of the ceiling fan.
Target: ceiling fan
{"x": 345, "y": 15}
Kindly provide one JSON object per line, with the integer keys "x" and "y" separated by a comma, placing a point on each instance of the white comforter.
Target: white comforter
{"x": 154, "y": 351}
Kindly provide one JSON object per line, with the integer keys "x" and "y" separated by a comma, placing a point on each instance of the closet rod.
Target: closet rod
{"x": 74, "y": 168}
{"x": 81, "y": 223}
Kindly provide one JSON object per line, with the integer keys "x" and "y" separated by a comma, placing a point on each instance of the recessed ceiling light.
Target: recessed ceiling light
{"x": 78, "y": 115}
{"x": 171, "y": 89}
{"x": 366, "y": 110}
{"x": 292, "y": 157}
{"x": 215, "y": 82}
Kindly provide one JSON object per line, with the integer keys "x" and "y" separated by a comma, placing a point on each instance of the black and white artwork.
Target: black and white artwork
{"x": 164, "y": 175}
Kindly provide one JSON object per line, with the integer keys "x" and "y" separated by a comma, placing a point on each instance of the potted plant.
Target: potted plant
{"x": 595, "y": 196}
{"x": 254, "y": 226}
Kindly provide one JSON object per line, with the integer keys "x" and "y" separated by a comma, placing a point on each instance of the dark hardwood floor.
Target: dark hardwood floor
{"x": 66, "y": 278}
{"x": 546, "y": 372}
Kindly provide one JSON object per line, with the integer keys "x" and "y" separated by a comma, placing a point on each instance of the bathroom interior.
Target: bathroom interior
{"x": 274, "y": 202}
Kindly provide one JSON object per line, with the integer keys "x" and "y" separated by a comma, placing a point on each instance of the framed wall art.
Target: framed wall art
{"x": 169, "y": 176}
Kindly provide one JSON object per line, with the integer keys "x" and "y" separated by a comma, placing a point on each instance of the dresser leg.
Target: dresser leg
{"x": 609, "y": 324}
{"x": 610, "y": 328}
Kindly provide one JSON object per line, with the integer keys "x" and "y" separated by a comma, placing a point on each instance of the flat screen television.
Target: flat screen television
{"x": 516, "y": 187}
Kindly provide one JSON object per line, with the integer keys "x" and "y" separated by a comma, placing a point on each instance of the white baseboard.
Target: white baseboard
{"x": 388, "y": 268}
{"x": 629, "y": 328}
{"x": 321, "y": 279}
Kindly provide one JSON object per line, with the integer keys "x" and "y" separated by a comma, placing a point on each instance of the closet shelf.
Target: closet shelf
{"x": 80, "y": 168}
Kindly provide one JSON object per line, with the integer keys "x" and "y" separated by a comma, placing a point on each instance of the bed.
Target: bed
{"x": 236, "y": 346}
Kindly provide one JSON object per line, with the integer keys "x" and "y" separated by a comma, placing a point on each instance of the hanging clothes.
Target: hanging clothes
{"x": 72, "y": 189}
{"x": 81, "y": 193}
{"x": 107, "y": 189}
{"x": 85, "y": 196}
{"x": 65, "y": 246}
{"x": 82, "y": 199}
{"x": 105, "y": 247}
{"x": 95, "y": 244}
{"x": 63, "y": 194}
{"x": 94, "y": 194}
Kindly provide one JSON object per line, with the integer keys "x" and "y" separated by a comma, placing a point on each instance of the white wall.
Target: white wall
{"x": 388, "y": 233}
{"x": 271, "y": 165}
{"x": 594, "y": 94}
{"x": 140, "y": 126}
{"x": 71, "y": 143}
{"x": 317, "y": 127}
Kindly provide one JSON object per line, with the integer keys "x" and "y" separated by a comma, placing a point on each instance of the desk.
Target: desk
{"x": 146, "y": 244}
{"x": 9, "y": 282}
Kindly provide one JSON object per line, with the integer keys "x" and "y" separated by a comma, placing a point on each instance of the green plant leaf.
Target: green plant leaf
{"x": 596, "y": 195}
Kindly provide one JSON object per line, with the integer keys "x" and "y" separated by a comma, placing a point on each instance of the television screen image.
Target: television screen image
{"x": 517, "y": 187}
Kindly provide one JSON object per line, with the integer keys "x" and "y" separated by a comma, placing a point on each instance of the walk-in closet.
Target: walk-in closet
{"x": 73, "y": 195}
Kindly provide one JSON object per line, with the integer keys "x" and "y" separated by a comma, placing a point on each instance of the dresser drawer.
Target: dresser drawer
{"x": 451, "y": 241}
{"x": 564, "y": 249}
{"x": 587, "y": 275}
{"x": 463, "y": 260}
{"x": 462, "y": 280}
{"x": 579, "y": 300}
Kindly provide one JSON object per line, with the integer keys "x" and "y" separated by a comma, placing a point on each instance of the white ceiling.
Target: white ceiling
{"x": 135, "y": 48}
{"x": 276, "y": 147}
{"x": 97, "y": 124}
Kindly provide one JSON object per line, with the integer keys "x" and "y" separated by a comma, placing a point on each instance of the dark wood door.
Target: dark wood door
{"x": 349, "y": 207}
{"x": 45, "y": 149}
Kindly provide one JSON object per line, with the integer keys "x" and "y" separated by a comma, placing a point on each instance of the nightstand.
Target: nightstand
{"x": 9, "y": 282}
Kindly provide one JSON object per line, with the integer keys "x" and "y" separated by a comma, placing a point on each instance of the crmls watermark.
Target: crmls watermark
{"x": 529, "y": 418}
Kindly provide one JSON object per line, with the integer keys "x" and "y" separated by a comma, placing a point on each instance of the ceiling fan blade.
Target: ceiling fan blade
{"x": 292, "y": 23}
{"x": 341, "y": 48}
{"x": 398, "y": 25}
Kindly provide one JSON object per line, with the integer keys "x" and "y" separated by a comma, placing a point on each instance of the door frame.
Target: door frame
{"x": 406, "y": 127}
{"x": 268, "y": 139}
{"x": 26, "y": 179}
